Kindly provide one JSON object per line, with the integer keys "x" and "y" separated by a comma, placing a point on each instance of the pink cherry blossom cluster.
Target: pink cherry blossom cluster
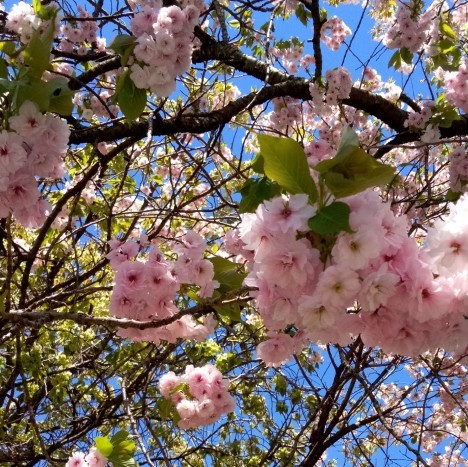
{"x": 96, "y": 105}
{"x": 375, "y": 281}
{"x": 339, "y": 85}
{"x": 334, "y": 31}
{"x": 286, "y": 113}
{"x": 93, "y": 459}
{"x": 456, "y": 83}
{"x": 205, "y": 398}
{"x": 292, "y": 56}
{"x": 84, "y": 33}
{"x": 421, "y": 118}
{"x": 290, "y": 6}
{"x": 22, "y": 20}
{"x": 163, "y": 45}
{"x": 34, "y": 147}
{"x": 221, "y": 97}
{"x": 458, "y": 169}
{"x": 146, "y": 291}
{"x": 410, "y": 30}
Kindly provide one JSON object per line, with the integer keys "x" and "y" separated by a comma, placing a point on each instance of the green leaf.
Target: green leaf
{"x": 227, "y": 274}
{"x": 165, "y": 408}
{"x": 452, "y": 196}
{"x": 447, "y": 30}
{"x": 32, "y": 91}
{"x": 125, "y": 463}
{"x": 123, "y": 451}
{"x": 230, "y": 312}
{"x": 3, "y": 302}
{"x": 395, "y": 60}
{"x": 132, "y": 100}
{"x": 37, "y": 53}
{"x": 302, "y": 14}
{"x": 103, "y": 445}
{"x": 3, "y": 68}
{"x": 6, "y": 85}
{"x": 8, "y": 48}
{"x": 258, "y": 164}
{"x": 255, "y": 191}
{"x": 61, "y": 96}
{"x": 406, "y": 55}
{"x": 357, "y": 174}
{"x": 118, "y": 437}
{"x": 280, "y": 384}
{"x": 352, "y": 170}
{"x": 349, "y": 139}
{"x": 445, "y": 46}
{"x": 285, "y": 162}
{"x": 333, "y": 218}
{"x": 123, "y": 44}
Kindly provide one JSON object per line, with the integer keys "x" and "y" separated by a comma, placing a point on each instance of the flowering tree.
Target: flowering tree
{"x": 221, "y": 244}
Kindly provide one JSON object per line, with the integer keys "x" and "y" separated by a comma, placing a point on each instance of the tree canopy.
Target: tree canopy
{"x": 233, "y": 233}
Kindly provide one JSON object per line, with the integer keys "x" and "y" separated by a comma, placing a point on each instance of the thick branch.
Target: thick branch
{"x": 282, "y": 85}
{"x": 38, "y": 318}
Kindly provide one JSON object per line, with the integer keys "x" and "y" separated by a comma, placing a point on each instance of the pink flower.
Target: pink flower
{"x": 187, "y": 409}
{"x": 29, "y": 122}
{"x": 160, "y": 281}
{"x": 291, "y": 263}
{"x": 286, "y": 214}
{"x": 167, "y": 383}
{"x": 131, "y": 276}
{"x": 337, "y": 287}
{"x": 276, "y": 350}
{"x": 96, "y": 459}
{"x": 377, "y": 288}
{"x": 192, "y": 245}
{"x": 171, "y": 18}
{"x": 77, "y": 459}
{"x": 22, "y": 190}
{"x": 12, "y": 153}
{"x": 199, "y": 381}
{"x": 356, "y": 250}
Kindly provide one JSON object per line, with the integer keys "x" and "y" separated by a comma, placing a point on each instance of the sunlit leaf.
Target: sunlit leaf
{"x": 333, "y": 218}
{"x": 255, "y": 191}
{"x": 103, "y": 445}
{"x": 132, "y": 100}
{"x": 285, "y": 162}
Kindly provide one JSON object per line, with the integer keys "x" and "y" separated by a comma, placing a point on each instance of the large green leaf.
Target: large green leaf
{"x": 35, "y": 91}
{"x": 229, "y": 312}
{"x": 227, "y": 274}
{"x": 352, "y": 170}
{"x": 333, "y": 218}
{"x": 349, "y": 139}
{"x": 165, "y": 407}
{"x": 123, "y": 44}
{"x": 37, "y": 53}
{"x": 3, "y": 68}
{"x": 285, "y": 162}
{"x": 132, "y": 100}
{"x": 118, "y": 437}
{"x": 103, "y": 445}
{"x": 255, "y": 191}
{"x": 125, "y": 449}
{"x": 61, "y": 96}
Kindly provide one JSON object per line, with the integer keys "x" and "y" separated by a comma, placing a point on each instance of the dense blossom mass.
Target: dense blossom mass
{"x": 376, "y": 280}
{"x": 34, "y": 147}
{"x": 206, "y": 399}
{"x": 233, "y": 233}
